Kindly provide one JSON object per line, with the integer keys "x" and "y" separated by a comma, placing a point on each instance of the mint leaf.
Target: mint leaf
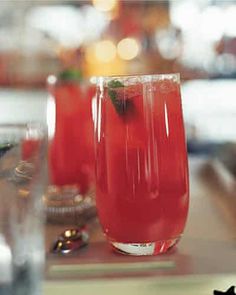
{"x": 114, "y": 84}
{"x": 70, "y": 75}
{"x": 119, "y": 104}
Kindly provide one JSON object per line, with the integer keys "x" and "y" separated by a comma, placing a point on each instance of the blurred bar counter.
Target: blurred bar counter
{"x": 204, "y": 260}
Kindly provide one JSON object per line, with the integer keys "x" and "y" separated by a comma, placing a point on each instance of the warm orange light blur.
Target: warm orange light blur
{"x": 104, "y": 5}
{"x": 105, "y": 51}
{"x": 96, "y": 67}
{"x": 128, "y": 48}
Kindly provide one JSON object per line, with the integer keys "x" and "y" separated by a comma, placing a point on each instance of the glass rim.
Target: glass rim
{"x": 23, "y": 125}
{"x": 24, "y": 128}
{"x": 139, "y": 78}
{"x": 53, "y": 80}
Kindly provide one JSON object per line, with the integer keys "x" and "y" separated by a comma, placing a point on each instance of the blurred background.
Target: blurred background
{"x": 102, "y": 37}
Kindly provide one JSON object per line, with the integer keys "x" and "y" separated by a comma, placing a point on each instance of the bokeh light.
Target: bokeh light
{"x": 104, "y": 5}
{"x": 105, "y": 51}
{"x": 229, "y": 21}
{"x": 128, "y": 48}
{"x": 211, "y": 26}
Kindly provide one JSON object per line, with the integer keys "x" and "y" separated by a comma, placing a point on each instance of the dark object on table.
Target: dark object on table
{"x": 201, "y": 147}
{"x": 230, "y": 291}
{"x": 4, "y": 147}
{"x": 226, "y": 154}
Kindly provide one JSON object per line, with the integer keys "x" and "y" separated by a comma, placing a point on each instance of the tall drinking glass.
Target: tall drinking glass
{"x": 23, "y": 179}
{"x": 142, "y": 190}
{"x": 71, "y": 151}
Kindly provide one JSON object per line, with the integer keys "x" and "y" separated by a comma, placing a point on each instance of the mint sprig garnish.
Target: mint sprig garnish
{"x": 121, "y": 104}
{"x": 70, "y": 75}
{"x": 115, "y": 84}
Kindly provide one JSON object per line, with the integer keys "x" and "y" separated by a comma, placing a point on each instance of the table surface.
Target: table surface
{"x": 204, "y": 260}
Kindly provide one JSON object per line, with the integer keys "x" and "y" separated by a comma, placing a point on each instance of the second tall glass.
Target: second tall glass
{"x": 71, "y": 149}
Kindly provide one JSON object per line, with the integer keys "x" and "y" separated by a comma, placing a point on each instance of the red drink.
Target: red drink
{"x": 71, "y": 153}
{"x": 29, "y": 147}
{"x": 32, "y": 141}
{"x": 142, "y": 173}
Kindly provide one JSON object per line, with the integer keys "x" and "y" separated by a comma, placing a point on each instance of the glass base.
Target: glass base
{"x": 142, "y": 249}
{"x": 65, "y": 205}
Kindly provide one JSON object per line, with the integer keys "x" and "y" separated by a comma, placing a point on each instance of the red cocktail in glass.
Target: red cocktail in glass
{"x": 71, "y": 150}
{"x": 142, "y": 192}
{"x": 29, "y": 146}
